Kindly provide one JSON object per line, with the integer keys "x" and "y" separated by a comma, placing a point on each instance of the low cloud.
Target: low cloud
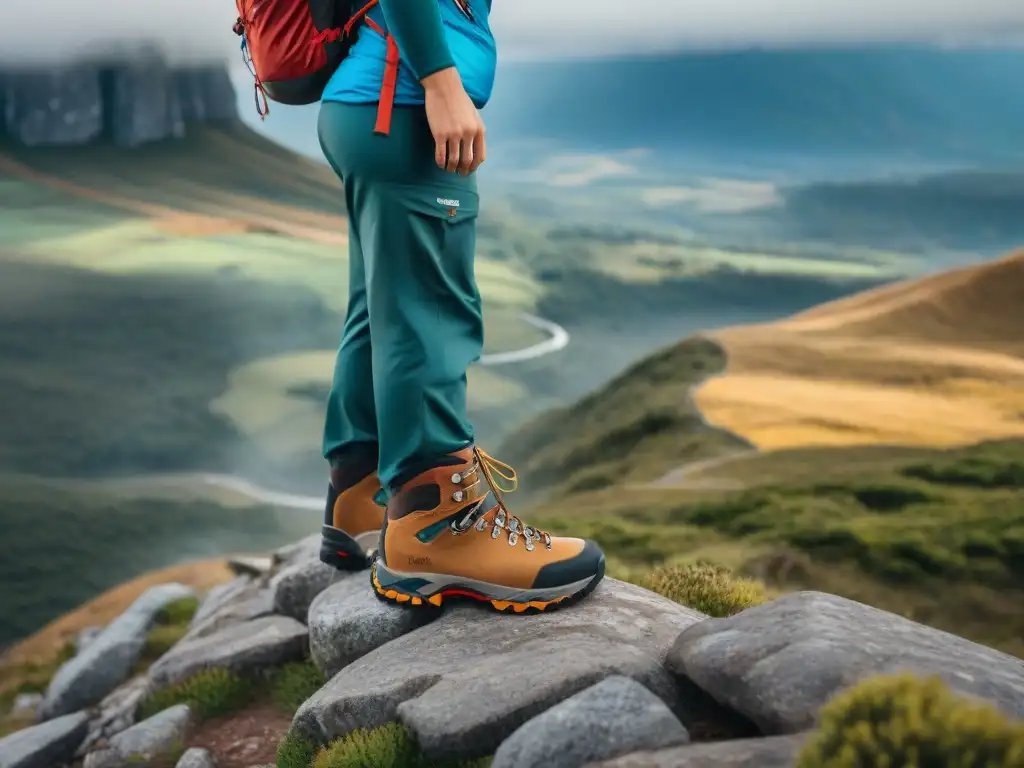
{"x": 33, "y": 32}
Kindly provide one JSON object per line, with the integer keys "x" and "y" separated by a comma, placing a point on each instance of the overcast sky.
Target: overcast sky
{"x": 41, "y": 31}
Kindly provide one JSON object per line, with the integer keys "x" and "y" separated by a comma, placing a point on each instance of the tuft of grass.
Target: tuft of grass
{"x": 903, "y": 721}
{"x": 293, "y": 683}
{"x": 178, "y": 612}
{"x": 706, "y": 587}
{"x": 390, "y": 746}
{"x": 170, "y": 627}
{"x": 210, "y": 693}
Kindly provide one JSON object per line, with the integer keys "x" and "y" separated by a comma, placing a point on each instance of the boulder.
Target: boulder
{"x": 110, "y": 658}
{"x": 196, "y": 758}
{"x": 297, "y": 585}
{"x": 85, "y": 637}
{"x": 304, "y": 549}
{"x": 465, "y": 682}
{"x": 612, "y": 718}
{"x": 157, "y": 739}
{"x": 347, "y": 621}
{"x": 46, "y": 744}
{"x": 769, "y": 752}
{"x": 778, "y": 663}
{"x": 241, "y": 648}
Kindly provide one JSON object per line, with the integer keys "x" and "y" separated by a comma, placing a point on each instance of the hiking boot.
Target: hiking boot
{"x": 441, "y": 539}
{"x": 353, "y": 516}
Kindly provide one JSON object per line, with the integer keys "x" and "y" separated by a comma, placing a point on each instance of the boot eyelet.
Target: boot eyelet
{"x": 499, "y": 519}
{"x": 481, "y": 524}
{"x": 458, "y": 496}
{"x": 513, "y": 538}
{"x": 529, "y": 544}
{"x": 457, "y": 478}
{"x": 495, "y": 532}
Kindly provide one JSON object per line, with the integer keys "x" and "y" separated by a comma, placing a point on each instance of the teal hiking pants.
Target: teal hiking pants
{"x": 414, "y": 322}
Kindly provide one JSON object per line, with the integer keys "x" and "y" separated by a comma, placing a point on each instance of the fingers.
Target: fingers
{"x": 479, "y": 151}
{"x": 454, "y": 154}
{"x": 440, "y": 151}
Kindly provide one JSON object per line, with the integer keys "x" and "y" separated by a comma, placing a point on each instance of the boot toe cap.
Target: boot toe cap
{"x": 586, "y": 564}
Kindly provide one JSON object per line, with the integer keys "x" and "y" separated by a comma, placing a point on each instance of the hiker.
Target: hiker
{"x": 405, "y": 140}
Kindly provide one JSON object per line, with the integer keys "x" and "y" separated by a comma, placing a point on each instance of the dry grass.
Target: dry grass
{"x": 936, "y": 362}
{"x": 45, "y": 644}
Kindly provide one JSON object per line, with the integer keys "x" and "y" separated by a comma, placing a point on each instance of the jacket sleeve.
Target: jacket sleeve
{"x": 417, "y": 29}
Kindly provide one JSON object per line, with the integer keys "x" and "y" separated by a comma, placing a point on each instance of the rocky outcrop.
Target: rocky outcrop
{"x": 130, "y": 102}
{"x": 108, "y": 660}
{"x": 778, "y": 663}
{"x": 466, "y": 681}
{"x": 625, "y": 679}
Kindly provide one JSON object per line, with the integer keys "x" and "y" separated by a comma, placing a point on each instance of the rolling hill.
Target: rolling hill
{"x": 936, "y": 362}
{"x": 891, "y": 461}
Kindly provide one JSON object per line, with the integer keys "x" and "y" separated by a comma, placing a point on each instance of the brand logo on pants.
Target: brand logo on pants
{"x": 452, "y": 205}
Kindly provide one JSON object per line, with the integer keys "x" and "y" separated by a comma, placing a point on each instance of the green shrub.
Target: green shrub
{"x": 706, "y": 587}
{"x": 293, "y": 683}
{"x": 295, "y": 752}
{"x": 390, "y": 746}
{"x": 973, "y": 471}
{"x": 179, "y": 612}
{"x": 210, "y": 693}
{"x": 903, "y": 721}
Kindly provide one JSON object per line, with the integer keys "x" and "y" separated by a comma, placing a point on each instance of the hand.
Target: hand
{"x": 455, "y": 123}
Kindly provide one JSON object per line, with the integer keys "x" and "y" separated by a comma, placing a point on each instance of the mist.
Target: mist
{"x": 200, "y": 30}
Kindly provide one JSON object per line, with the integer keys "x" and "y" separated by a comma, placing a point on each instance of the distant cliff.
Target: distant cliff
{"x": 130, "y": 102}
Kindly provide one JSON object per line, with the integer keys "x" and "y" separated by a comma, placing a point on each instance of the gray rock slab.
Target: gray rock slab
{"x": 115, "y": 713}
{"x": 238, "y": 589}
{"x": 253, "y": 602}
{"x": 85, "y": 637}
{"x": 109, "y": 658}
{"x": 296, "y": 586}
{"x": 778, "y": 663}
{"x": 241, "y": 648}
{"x": 612, "y": 718}
{"x": 769, "y": 752}
{"x": 44, "y": 745}
{"x": 347, "y": 621}
{"x": 160, "y": 737}
{"x": 466, "y": 681}
{"x": 251, "y": 565}
{"x": 196, "y": 758}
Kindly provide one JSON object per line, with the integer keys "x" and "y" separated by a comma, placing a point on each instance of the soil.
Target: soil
{"x": 245, "y": 739}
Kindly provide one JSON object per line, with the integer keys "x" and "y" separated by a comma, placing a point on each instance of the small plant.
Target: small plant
{"x": 170, "y": 627}
{"x": 903, "y": 721}
{"x": 178, "y": 612}
{"x": 390, "y": 746}
{"x": 210, "y": 693}
{"x": 706, "y": 587}
{"x": 295, "y": 752}
{"x": 293, "y": 683}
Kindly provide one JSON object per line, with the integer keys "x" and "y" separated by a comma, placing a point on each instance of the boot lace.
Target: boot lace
{"x": 487, "y": 469}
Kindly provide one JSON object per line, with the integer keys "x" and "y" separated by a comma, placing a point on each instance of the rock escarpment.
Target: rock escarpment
{"x": 130, "y": 102}
{"x": 624, "y": 679}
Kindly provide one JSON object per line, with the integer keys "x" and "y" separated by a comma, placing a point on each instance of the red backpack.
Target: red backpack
{"x": 292, "y": 47}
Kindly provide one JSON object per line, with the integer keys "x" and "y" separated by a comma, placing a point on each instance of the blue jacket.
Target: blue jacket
{"x": 470, "y": 44}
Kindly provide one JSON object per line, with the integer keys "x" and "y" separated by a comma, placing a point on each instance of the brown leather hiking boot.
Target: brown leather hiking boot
{"x": 353, "y": 516}
{"x": 441, "y": 540}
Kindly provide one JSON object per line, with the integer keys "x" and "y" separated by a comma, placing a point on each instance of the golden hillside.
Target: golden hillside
{"x": 937, "y": 361}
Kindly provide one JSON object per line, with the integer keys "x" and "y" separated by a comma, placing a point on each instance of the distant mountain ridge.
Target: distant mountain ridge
{"x": 898, "y": 107}
{"x": 962, "y": 106}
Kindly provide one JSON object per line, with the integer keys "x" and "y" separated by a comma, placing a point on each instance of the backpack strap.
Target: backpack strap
{"x": 386, "y": 104}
